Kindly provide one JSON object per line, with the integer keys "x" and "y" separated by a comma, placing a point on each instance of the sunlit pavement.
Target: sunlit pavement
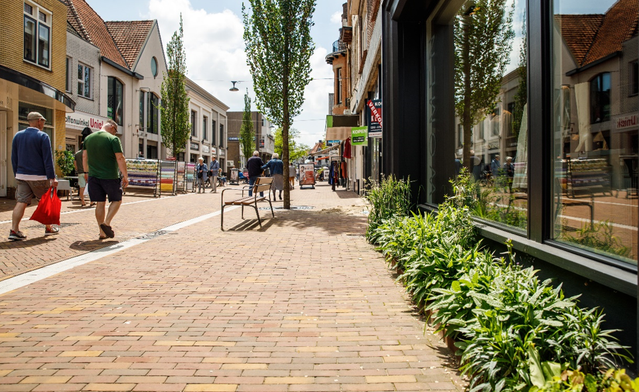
{"x": 173, "y": 303}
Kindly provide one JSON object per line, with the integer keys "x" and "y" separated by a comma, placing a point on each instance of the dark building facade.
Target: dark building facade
{"x": 563, "y": 113}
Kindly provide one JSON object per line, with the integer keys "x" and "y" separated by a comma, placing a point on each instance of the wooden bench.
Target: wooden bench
{"x": 262, "y": 184}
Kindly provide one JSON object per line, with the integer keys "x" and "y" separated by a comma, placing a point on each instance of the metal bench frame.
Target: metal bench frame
{"x": 262, "y": 184}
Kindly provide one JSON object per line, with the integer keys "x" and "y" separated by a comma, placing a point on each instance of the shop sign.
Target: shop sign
{"x": 205, "y": 149}
{"x": 331, "y": 142}
{"x": 359, "y": 136}
{"x": 195, "y": 147}
{"x": 623, "y": 122}
{"x": 222, "y": 153}
{"x": 213, "y": 150}
{"x": 79, "y": 120}
{"x": 234, "y": 139}
{"x": 375, "y": 108}
{"x": 230, "y": 163}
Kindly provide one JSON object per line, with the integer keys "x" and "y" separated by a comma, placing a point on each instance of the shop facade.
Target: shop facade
{"x": 209, "y": 126}
{"x": 32, "y": 76}
{"x": 563, "y": 115}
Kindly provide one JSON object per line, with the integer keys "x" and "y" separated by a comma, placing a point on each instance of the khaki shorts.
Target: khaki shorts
{"x": 27, "y": 190}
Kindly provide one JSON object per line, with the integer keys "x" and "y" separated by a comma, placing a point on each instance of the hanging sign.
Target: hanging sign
{"x": 359, "y": 136}
{"x": 375, "y": 108}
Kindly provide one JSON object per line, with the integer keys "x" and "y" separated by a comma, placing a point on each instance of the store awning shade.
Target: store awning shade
{"x": 338, "y": 133}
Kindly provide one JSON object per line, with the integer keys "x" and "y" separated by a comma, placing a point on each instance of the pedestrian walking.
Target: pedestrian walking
{"x": 103, "y": 157}
{"x": 201, "y": 170}
{"x": 276, "y": 167}
{"x": 214, "y": 169}
{"x": 79, "y": 169}
{"x": 254, "y": 167}
{"x": 291, "y": 176}
{"x": 33, "y": 169}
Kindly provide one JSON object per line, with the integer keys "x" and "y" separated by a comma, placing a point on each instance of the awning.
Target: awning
{"x": 338, "y": 133}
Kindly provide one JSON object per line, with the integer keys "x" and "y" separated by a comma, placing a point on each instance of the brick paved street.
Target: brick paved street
{"x": 303, "y": 304}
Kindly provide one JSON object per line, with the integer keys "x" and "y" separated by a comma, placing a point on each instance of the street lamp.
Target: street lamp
{"x": 234, "y": 89}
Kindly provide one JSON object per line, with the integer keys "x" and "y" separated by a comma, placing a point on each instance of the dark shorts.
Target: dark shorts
{"x": 99, "y": 189}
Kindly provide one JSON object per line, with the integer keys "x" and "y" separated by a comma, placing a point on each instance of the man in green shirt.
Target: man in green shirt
{"x": 103, "y": 157}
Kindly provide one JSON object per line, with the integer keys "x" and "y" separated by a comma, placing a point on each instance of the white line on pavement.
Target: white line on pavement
{"x": 53, "y": 269}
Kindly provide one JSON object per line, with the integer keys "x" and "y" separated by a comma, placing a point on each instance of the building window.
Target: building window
{"x": 633, "y": 79}
{"x": 151, "y": 152}
{"x": 115, "y": 100}
{"x": 502, "y": 183}
{"x": 205, "y": 121}
{"x": 37, "y": 34}
{"x": 84, "y": 81}
{"x": 67, "y": 83}
{"x": 592, "y": 162}
{"x": 221, "y": 135}
{"x": 154, "y": 66}
{"x": 152, "y": 113}
{"x": 142, "y": 111}
{"x": 339, "y": 86}
{"x": 600, "y": 98}
{"x": 193, "y": 119}
{"x": 213, "y": 132}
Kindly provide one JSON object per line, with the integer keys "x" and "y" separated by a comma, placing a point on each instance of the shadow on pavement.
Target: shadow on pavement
{"x": 89, "y": 246}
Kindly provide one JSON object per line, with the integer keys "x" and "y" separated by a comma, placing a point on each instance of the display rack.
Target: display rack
{"x": 184, "y": 176}
{"x": 167, "y": 177}
{"x": 143, "y": 174}
{"x": 587, "y": 176}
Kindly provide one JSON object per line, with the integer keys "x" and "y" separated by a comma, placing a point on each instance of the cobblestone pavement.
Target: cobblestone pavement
{"x": 302, "y": 304}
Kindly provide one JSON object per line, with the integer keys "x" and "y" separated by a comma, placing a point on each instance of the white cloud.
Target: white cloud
{"x": 336, "y": 18}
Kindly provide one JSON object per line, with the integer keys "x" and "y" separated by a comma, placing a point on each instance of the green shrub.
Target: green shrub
{"x": 496, "y": 309}
{"x": 389, "y": 198}
{"x": 65, "y": 159}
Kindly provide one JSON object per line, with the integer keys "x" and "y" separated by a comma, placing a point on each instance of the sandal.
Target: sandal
{"x": 107, "y": 230}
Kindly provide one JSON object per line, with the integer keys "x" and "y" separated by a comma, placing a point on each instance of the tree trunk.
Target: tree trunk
{"x": 466, "y": 124}
{"x": 286, "y": 115}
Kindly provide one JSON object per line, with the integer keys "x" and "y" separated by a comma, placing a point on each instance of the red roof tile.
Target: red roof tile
{"x": 92, "y": 28}
{"x": 579, "y": 32}
{"x": 130, "y": 37}
{"x": 593, "y": 37}
{"x": 618, "y": 26}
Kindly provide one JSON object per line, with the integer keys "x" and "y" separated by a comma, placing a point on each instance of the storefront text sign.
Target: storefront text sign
{"x": 359, "y": 136}
{"x": 375, "y": 107}
{"x": 79, "y": 120}
{"x": 623, "y": 122}
{"x": 205, "y": 149}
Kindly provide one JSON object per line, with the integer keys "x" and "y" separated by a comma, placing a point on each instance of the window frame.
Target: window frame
{"x": 85, "y": 68}
{"x": 338, "y": 77}
{"x": 41, "y": 56}
{"x": 193, "y": 123}
{"x": 596, "y": 99}
{"x": 633, "y": 78}
{"x": 204, "y": 126}
{"x": 112, "y": 84}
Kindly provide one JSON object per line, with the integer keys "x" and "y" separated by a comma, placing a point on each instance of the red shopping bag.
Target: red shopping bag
{"x": 48, "y": 210}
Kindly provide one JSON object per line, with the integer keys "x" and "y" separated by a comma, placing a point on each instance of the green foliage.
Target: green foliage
{"x": 247, "y": 135}
{"x": 65, "y": 159}
{"x": 389, "y": 198}
{"x": 489, "y": 202}
{"x": 277, "y": 34}
{"x": 598, "y": 236}
{"x": 176, "y": 127}
{"x": 478, "y": 70}
{"x": 497, "y": 310}
{"x": 554, "y": 377}
{"x": 295, "y": 150}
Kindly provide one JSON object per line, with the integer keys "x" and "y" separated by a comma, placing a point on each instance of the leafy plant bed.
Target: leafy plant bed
{"x": 511, "y": 330}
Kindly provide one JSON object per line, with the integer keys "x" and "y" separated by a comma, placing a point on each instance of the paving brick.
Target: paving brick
{"x": 302, "y": 304}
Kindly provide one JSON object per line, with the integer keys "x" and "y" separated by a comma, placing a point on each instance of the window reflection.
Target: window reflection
{"x": 595, "y": 126}
{"x": 490, "y": 103}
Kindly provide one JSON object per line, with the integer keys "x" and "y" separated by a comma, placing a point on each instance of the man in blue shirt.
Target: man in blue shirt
{"x": 32, "y": 164}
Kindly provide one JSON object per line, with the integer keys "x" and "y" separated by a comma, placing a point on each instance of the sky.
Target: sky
{"x": 215, "y": 49}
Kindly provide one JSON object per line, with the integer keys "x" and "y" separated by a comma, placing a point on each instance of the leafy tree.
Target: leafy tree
{"x": 277, "y": 34}
{"x": 175, "y": 104}
{"x": 247, "y": 136}
{"x": 295, "y": 150}
{"x": 483, "y": 39}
